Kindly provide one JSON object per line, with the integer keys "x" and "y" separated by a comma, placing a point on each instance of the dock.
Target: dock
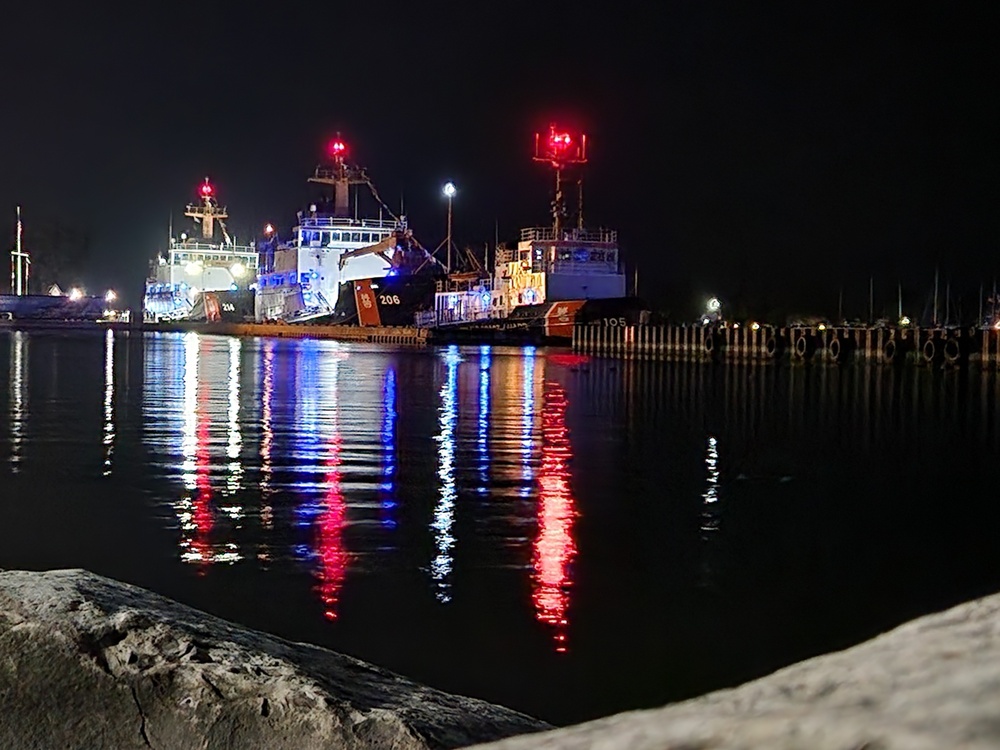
{"x": 952, "y": 346}
{"x": 402, "y": 335}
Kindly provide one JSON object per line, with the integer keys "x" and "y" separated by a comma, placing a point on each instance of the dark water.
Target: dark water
{"x": 568, "y": 538}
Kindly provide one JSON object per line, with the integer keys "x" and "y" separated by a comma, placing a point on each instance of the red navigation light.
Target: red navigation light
{"x": 337, "y": 148}
{"x": 560, "y": 148}
{"x": 207, "y": 189}
{"x": 559, "y": 142}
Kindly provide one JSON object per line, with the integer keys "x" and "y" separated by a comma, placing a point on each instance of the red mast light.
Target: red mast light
{"x": 337, "y": 149}
{"x": 560, "y": 148}
{"x": 207, "y": 189}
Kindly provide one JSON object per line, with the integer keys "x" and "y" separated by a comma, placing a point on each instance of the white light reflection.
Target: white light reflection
{"x": 235, "y": 442}
{"x": 709, "y": 518}
{"x": 18, "y": 397}
{"x": 189, "y": 434}
{"x": 527, "y": 420}
{"x": 109, "y": 394}
{"x": 444, "y": 512}
{"x": 484, "y": 417}
{"x": 266, "y": 441}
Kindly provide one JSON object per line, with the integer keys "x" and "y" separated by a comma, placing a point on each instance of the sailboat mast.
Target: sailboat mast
{"x": 935, "y": 297}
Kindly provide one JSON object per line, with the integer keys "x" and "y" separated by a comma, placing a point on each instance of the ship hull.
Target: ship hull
{"x": 384, "y": 301}
{"x": 38, "y": 307}
{"x": 223, "y": 307}
{"x": 549, "y": 323}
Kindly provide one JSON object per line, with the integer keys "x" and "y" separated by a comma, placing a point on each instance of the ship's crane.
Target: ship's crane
{"x": 405, "y": 251}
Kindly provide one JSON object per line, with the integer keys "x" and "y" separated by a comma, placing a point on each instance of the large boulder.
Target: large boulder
{"x": 932, "y": 683}
{"x": 86, "y": 662}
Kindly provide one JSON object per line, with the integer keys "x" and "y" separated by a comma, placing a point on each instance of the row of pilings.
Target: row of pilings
{"x": 952, "y": 346}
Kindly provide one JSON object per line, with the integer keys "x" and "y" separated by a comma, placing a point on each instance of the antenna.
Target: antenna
{"x": 579, "y": 214}
{"x": 559, "y": 150}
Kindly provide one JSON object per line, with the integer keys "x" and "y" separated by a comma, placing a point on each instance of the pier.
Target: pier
{"x": 405, "y": 335}
{"x": 935, "y": 346}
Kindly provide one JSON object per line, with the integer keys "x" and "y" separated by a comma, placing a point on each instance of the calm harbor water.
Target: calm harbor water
{"x": 568, "y": 537}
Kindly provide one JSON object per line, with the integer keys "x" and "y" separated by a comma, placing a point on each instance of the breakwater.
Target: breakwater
{"x": 937, "y": 346}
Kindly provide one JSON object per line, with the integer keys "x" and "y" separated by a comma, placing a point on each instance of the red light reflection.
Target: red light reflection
{"x": 554, "y": 546}
{"x": 330, "y": 528}
{"x": 567, "y": 360}
{"x": 201, "y": 516}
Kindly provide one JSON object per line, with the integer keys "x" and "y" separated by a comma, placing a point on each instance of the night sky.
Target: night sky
{"x": 767, "y": 155}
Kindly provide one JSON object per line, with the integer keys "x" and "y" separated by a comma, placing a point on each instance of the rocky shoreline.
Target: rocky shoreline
{"x": 86, "y": 662}
{"x": 931, "y": 683}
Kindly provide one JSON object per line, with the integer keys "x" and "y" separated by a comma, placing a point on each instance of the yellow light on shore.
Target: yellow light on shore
{"x": 76, "y": 294}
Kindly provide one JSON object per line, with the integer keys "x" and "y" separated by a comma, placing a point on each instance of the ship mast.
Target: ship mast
{"x": 341, "y": 176}
{"x": 207, "y": 211}
{"x": 559, "y": 151}
{"x": 20, "y": 263}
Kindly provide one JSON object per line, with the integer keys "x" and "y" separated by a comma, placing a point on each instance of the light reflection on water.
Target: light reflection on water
{"x": 18, "y": 396}
{"x": 304, "y": 469}
{"x": 444, "y": 512}
{"x": 109, "y": 396}
{"x": 480, "y": 510}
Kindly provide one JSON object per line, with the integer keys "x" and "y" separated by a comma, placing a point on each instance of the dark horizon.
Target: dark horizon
{"x": 772, "y": 158}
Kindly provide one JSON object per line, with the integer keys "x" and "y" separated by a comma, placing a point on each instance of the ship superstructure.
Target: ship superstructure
{"x": 187, "y": 280}
{"x": 304, "y": 278}
{"x": 557, "y": 263}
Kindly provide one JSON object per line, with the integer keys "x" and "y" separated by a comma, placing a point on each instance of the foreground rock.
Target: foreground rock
{"x": 932, "y": 683}
{"x": 90, "y": 663}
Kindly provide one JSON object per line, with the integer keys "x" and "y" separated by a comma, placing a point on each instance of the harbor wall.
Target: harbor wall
{"x": 939, "y": 346}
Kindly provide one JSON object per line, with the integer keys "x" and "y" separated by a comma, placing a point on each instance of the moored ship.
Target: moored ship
{"x": 344, "y": 269}
{"x": 202, "y": 276}
{"x": 558, "y": 275}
